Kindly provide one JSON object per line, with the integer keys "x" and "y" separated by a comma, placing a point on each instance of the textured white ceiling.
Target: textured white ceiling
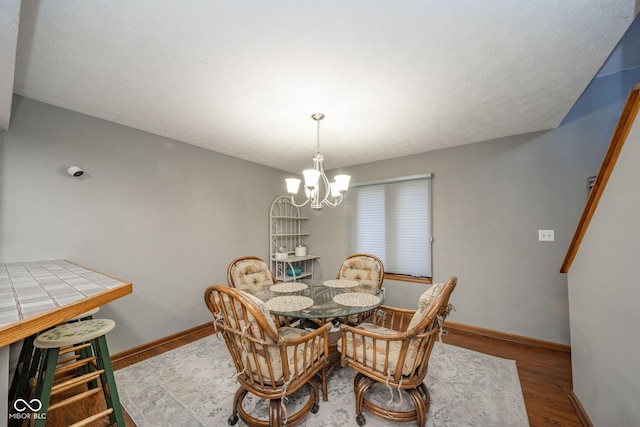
{"x": 243, "y": 77}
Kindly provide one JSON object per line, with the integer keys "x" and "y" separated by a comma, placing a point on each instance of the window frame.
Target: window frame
{"x": 400, "y": 276}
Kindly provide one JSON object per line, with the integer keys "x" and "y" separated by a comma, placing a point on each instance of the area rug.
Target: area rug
{"x": 194, "y": 386}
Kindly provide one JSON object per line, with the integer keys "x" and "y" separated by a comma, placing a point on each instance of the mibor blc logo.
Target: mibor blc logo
{"x": 27, "y": 410}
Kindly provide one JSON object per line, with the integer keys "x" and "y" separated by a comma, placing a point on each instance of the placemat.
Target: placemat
{"x": 356, "y": 299}
{"x": 288, "y": 287}
{"x": 341, "y": 283}
{"x": 289, "y": 303}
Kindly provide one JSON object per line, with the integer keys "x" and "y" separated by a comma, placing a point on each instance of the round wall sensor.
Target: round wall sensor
{"x": 75, "y": 171}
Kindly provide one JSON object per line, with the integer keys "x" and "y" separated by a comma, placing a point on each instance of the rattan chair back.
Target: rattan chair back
{"x": 249, "y": 272}
{"x": 271, "y": 362}
{"x": 365, "y": 268}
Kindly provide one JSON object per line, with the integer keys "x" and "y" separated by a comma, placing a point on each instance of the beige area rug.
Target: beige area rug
{"x": 194, "y": 386}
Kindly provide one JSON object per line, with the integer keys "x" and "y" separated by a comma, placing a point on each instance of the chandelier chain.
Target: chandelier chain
{"x": 317, "y": 117}
{"x": 318, "y": 137}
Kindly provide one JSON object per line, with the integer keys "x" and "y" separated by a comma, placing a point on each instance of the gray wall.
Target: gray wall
{"x": 165, "y": 215}
{"x": 169, "y": 216}
{"x": 604, "y": 296}
{"x": 489, "y": 201}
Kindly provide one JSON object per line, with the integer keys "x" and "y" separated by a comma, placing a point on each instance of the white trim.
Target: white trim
{"x": 389, "y": 180}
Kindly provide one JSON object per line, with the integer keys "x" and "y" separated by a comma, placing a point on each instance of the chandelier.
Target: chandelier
{"x": 315, "y": 179}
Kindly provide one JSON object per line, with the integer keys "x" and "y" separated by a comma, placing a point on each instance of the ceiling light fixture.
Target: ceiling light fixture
{"x": 315, "y": 178}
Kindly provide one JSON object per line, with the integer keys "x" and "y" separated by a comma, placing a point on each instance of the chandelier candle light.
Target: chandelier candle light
{"x": 333, "y": 191}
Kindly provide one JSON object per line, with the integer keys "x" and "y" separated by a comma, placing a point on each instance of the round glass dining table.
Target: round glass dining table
{"x": 320, "y": 299}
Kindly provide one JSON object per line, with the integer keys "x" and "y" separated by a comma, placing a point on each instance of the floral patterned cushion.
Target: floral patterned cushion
{"x": 255, "y": 331}
{"x": 427, "y": 299}
{"x": 273, "y": 353}
{"x": 365, "y": 352}
{"x": 254, "y": 328}
{"x": 363, "y": 269}
{"x": 251, "y": 273}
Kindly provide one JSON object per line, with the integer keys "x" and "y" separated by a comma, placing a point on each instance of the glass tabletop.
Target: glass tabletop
{"x": 318, "y": 300}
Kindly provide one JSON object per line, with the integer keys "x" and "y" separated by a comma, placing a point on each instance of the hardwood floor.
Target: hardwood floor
{"x": 545, "y": 376}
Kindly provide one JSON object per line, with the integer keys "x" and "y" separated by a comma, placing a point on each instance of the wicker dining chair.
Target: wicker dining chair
{"x": 271, "y": 362}
{"x": 249, "y": 272}
{"x": 252, "y": 273}
{"x": 396, "y": 352}
{"x": 366, "y": 269}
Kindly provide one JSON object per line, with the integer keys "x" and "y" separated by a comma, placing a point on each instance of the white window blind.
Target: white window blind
{"x": 392, "y": 220}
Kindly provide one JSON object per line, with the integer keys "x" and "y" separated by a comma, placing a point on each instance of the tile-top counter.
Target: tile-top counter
{"x": 35, "y": 296}
{"x": 29, "y": 288}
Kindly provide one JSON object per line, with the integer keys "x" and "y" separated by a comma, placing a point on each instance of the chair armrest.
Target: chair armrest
{"x": 392, "y": 317}
{"x": 374, "y": 351}
{"x": 397, "y": 310}
{"x": 347, "y": 329}
{"x": 304, "y": 356}
{"x": 322, "y": 332}
{"x": 398, "y": 336}
{"x": 387, "y": 353}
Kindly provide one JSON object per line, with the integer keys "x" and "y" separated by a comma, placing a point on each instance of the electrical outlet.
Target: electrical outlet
{"x": 546, "y": 236}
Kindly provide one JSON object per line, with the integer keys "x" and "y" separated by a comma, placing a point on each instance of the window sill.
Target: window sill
{"x": 405, "y": 278}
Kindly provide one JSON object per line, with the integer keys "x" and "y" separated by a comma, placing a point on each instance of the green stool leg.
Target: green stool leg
{"x": 20, "y": 382}
{"x": 86, "y": 353}
{"x": 35, "y": 363}
{"x": 108, "y": 380}
{"x": 45, "y": 382}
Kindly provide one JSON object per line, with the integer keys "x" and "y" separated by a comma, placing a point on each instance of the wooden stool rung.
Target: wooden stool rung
{"x": 66, "y": 360}
{"x": 73, "y": 382}
{"x": 74, "y": 348}
{"x": 74, "y": 398}
{"x": 92, "y": 418}
{"x": 75, "y": 365}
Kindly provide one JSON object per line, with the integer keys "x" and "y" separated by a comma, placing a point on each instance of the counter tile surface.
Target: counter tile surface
{"x": 28, "y": 288}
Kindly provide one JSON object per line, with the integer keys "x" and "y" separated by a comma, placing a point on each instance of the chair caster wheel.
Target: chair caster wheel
{"x": 360, "y": 420}
{"x": 315, "y": 408}
{"x": 233, "y": 420}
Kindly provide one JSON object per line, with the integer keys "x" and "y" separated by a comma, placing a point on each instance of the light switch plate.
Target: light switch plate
{"x": 546, "y": 235}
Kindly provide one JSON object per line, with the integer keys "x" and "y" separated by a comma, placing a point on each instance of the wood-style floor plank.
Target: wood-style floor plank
{"x": 545, "y": 376}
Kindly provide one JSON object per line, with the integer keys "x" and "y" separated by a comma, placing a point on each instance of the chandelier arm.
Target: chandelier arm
{"x": 335, "y": 203}
{"x": 330, "y": 204}
{"x": 327, "y": 188}
{"x": 293, "y": 202}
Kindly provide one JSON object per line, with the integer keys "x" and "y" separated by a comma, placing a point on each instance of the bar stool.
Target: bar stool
{"x": 29, "y": 358}
{"x": 51, "y": 341}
